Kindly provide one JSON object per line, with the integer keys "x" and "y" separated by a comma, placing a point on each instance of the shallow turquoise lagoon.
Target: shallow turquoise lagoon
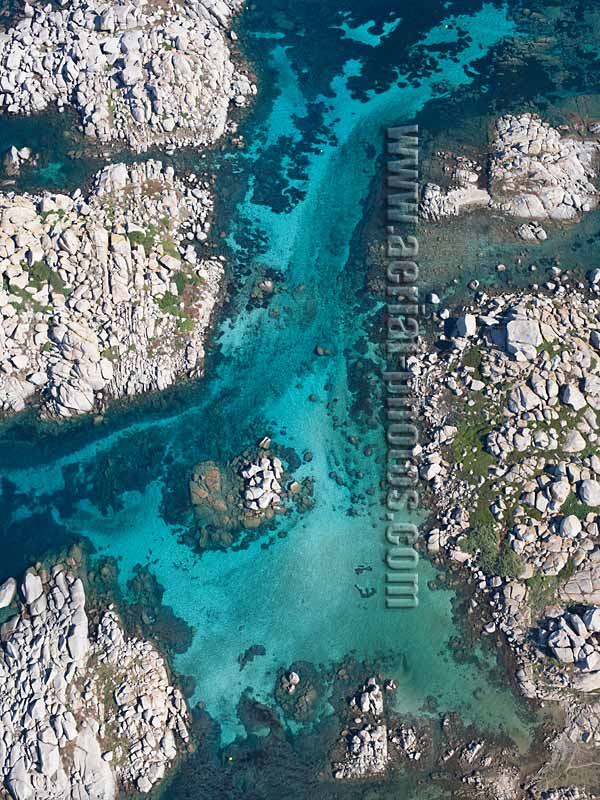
{"x": 297, "y": 202}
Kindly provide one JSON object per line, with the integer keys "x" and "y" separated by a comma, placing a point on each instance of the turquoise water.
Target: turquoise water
{"x": 363, "y": 33}
{"x": 295, "y": 206}
{"x": 56, "y": 144}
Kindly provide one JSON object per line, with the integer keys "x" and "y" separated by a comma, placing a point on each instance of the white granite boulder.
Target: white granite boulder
{"x": 570, "y": 526}
{"x": 466, "y": 325}
{"x": 31, "y": 587}
{"x": 591, "y": 619}
{"x": 7, "y": 592}
{"x": 589, "y": 493}
{"x": 571, "y": 396}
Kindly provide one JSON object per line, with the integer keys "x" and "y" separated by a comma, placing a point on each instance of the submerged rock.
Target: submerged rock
{"x": 15, "y": 158}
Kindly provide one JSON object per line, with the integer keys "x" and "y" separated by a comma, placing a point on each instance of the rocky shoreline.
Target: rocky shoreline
{"x": 103, "y": 295}
{"x": 143, "y": 72}
{"x": 509, "y": 390}
{"x": 107, "y": 295}
{"x": 86, "y": 710}
{"x": 376, "y": 744}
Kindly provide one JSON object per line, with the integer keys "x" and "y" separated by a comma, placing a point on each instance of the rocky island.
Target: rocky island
{"x": 146, "y": 73}
{"x": 103, "y": 295}
{"x": 85, "y": 709}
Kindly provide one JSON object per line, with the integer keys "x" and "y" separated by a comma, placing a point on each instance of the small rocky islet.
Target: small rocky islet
{"x": 247, "y": 493}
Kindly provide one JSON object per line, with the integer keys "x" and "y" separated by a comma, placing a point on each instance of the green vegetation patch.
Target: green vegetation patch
{"x": 169, "y": 304}
{"x": 573, "y": 505}
{"x": 469, "y": 442}
{"x": 472, "y": 358}
{"x": 183, "y": 280}
{"x": 543, "y": 589}
{"x": 552, "y": 348}
{"x": 145, "y": 238}
{"x": 508, "y": 563}
{"x": 185, "y": 325}
{"x": 40, "y": 274}
{"x": 170, "y": 248}
{"x": 111, "y": 353}
{"x": 495, "y": 555}
{"x": 180, "y": 282}
{"x": 59, "y": 213}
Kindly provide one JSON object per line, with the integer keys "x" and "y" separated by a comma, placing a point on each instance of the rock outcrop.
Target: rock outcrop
{"x": 584, "y": 585}
{"x": 104, "y": 296}
{"x": 141, "y": 72}
{"x": 261, "y": 482}
{"x": 565, "y": 793}
{"x": 83, "y": 713}
{"x": 538, "y": 174}
{"x": 463, "y": 193}
{"x": 511, "y": 412}
{"x": 367, "y": 741}
{"x": 572, "y": 637}
{"x": 533, "y": 172}
{"x": 539, "y": 385}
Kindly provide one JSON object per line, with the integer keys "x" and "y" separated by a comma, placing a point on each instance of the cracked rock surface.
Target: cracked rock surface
{"x": 83, "y": 712}
{"x": 103, "y": 296}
